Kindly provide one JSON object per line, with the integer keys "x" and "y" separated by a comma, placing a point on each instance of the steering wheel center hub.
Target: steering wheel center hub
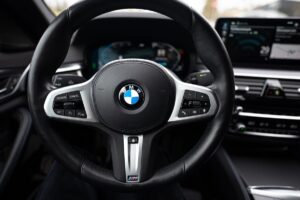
{"x": 133, "y": 96}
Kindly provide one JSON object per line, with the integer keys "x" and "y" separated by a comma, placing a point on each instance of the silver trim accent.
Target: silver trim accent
{"x": 3, "y": 90}
{"x": 69, "y": 68}
{"x": 270, "y": 135}
{"x": 274, "y": 192}
{"x": 264, "y": 73}
{"x": 85, "y": 90}
{"x": 241, "y": 88}
{"x": 269, "y": 116}
{"x": 23, "y": 77}
{"x": 133, "y": 158}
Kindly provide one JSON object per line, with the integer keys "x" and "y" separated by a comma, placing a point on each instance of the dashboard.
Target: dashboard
{"x": 265, "y": 54}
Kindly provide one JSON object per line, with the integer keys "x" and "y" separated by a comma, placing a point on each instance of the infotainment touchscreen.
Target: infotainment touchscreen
{"x": 266, "y": 41}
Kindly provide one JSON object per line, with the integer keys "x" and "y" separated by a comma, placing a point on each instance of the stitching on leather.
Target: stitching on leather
{"x": 68, "y": 15}
{"x": 193, "y": 18}
{"x": 82, "y": 166}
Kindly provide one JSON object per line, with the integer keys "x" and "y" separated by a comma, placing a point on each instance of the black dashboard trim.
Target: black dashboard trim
{"x": 25, "y": 122}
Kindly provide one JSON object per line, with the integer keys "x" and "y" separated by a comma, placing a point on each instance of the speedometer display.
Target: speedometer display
{"x": 162, "y": 53}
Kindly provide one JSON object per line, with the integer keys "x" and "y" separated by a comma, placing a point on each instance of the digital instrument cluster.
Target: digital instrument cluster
{"x": 163, "y": 53}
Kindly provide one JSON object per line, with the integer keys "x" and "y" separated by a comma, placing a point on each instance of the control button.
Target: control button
{"x": 79, "y": 105}
{"x": 274, "y": 92}
{"x": 133, "y": 140}
{"x": 192, "y": 104}
{"x": 280, "y": 125}
{"x": 70, "y": 112}
{"x": 202, "y": 97}
{"x": 261, "y": 124}
{"x": 80, "y": 114}
{"x": 251, "y": 123}
{"x": 59, "y": 111}
{"x": 267, "y": 124}
{"x": 196, "y": 103}
{"x": 205, "y": 104}
{"x": 74, "y": 96}
{"x": 293, "y": 126}
{"x": 184, "y": 113}
{"x": 204, "y": 110}
{"x": 61, "y": 97}
{"x": 185, "y": 103}
{"x": 12, "y": 82}
{"x": 69, "y": 105}
{"x": 58, "y": 105}
{"x": 273, "y": 89}
{"x": 264, "y": 124}
{"x": 67, "y": 80}
{"x": 241, "y": 127}
{"x": 195, "y": 111}
{"x": 188, "y": 94}
{"x": 193, "y": 79}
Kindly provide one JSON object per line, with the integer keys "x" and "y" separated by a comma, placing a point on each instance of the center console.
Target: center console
{"x": 267, "y": 106}
{"x": 266, "y": 59}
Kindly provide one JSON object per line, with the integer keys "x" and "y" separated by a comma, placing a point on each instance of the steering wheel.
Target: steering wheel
{"x": 131, "y": 100}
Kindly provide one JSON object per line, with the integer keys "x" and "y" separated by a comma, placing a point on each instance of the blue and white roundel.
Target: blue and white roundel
{"x": 131, "y": 97}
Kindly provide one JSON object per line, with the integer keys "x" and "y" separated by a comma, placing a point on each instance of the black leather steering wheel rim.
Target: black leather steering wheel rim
{"x": 53, "y": 48}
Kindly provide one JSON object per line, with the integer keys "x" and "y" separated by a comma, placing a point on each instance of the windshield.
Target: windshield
{"x": 212, "y": 9}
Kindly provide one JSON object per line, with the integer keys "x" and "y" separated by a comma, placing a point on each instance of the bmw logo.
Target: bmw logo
{"x": 131, "y": 96}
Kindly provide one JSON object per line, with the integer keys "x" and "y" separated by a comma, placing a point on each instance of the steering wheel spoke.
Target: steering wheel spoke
{"x": 133, "y": 149}
{"x": 131, "y": 157}
{"x": 193, "y": 102}
{"x": 72, "y": 103}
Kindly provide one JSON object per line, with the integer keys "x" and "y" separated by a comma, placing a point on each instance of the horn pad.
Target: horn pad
{"x": 133, "y": 96}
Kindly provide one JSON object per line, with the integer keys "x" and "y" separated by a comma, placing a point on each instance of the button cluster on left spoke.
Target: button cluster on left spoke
{"x": 69, "y": 105}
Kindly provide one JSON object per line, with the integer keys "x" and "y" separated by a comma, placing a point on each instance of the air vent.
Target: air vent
{"x": 249, "y": 86}
{"x": 8, "y": 84}
{"x": 291, "y": 89}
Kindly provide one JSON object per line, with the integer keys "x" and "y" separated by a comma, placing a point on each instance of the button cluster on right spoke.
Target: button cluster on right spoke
{"x": 193, "y": 104}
